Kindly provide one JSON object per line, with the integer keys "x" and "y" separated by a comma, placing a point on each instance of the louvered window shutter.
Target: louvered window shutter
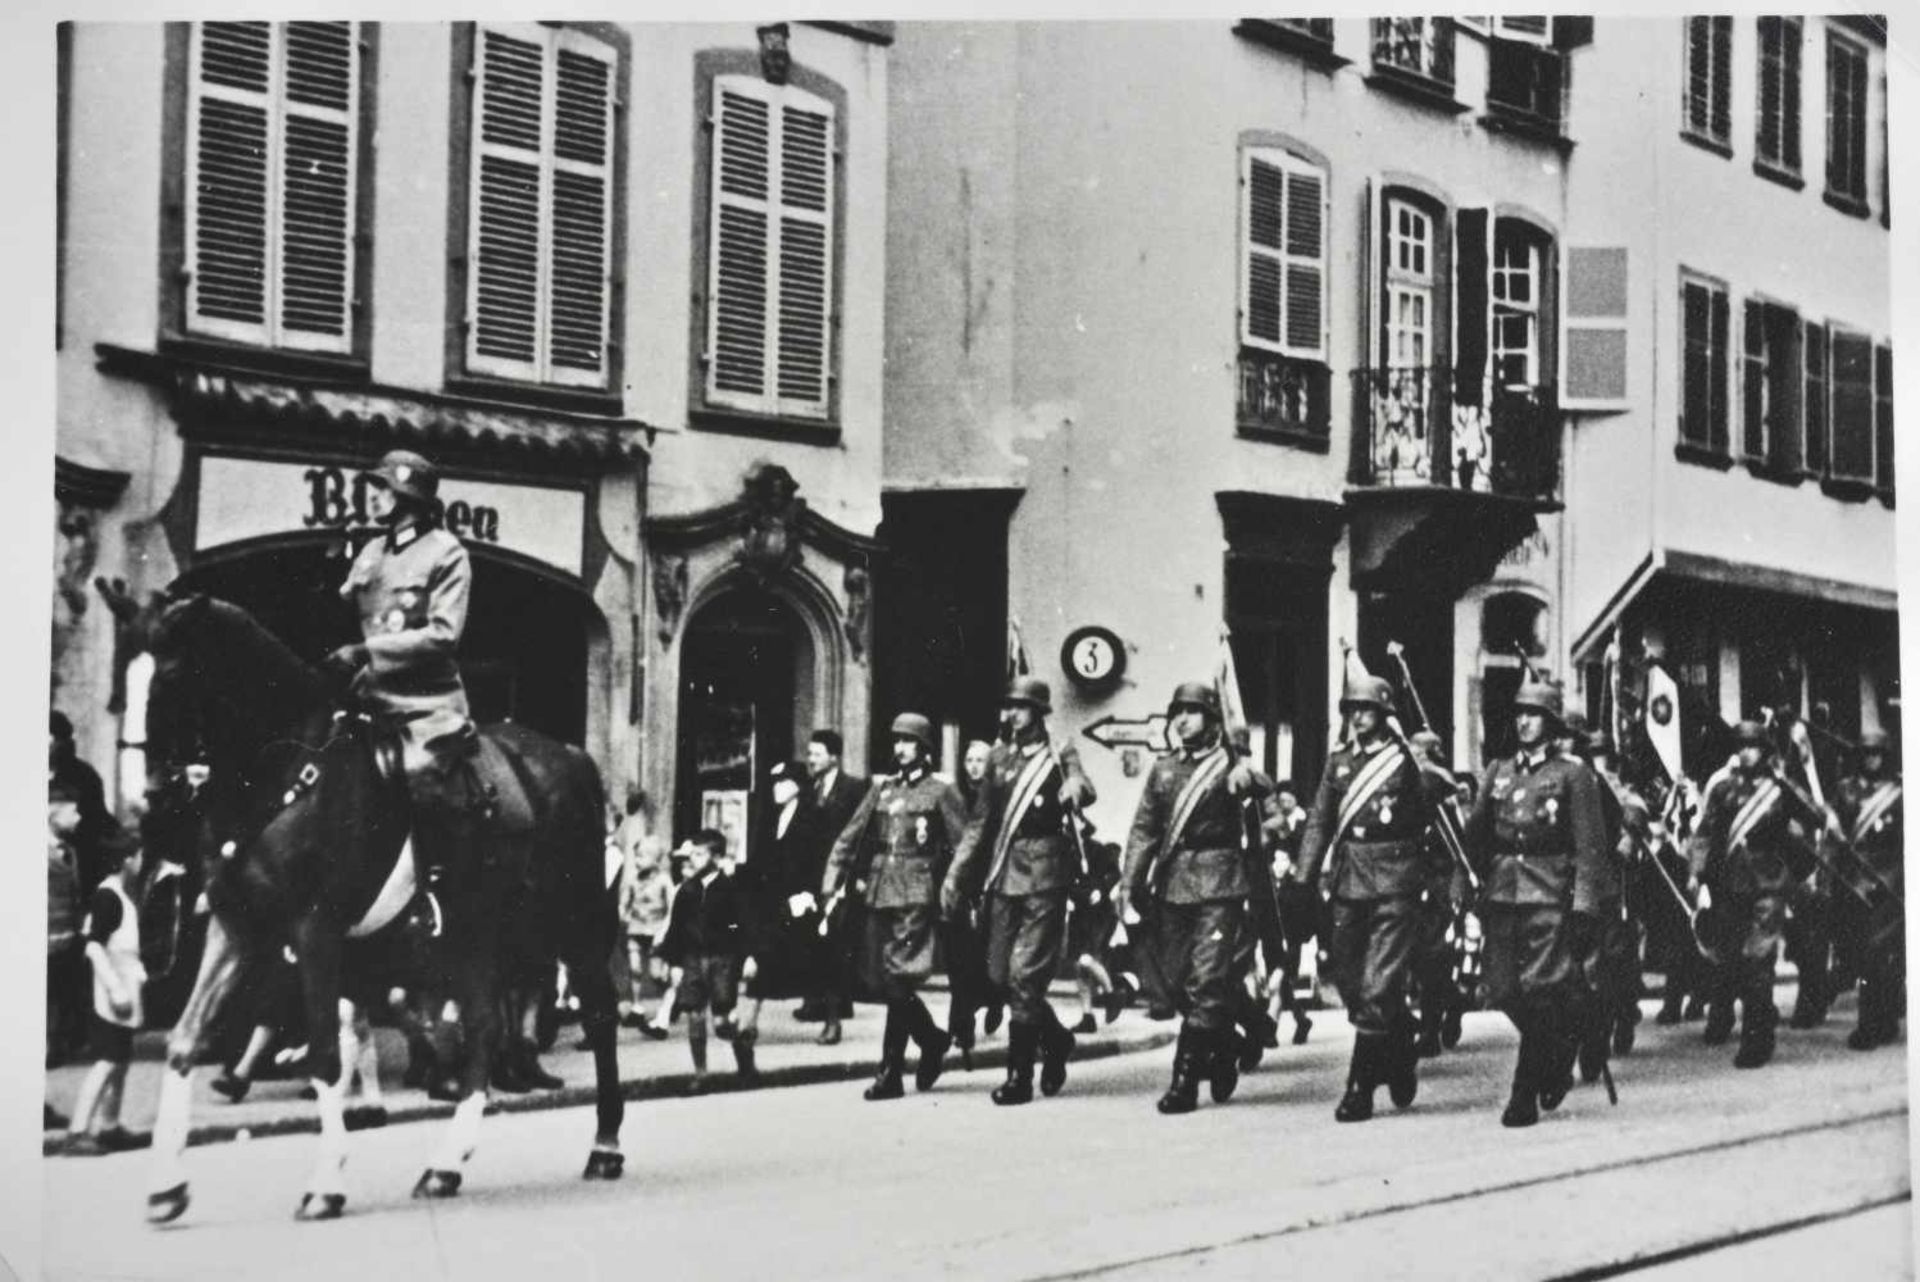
{"x": 1471, "y": 260}
{"x": 1883, "y": 418}
{"x": 1754, "y": 382}
{"x": 273, "y": 128}
{"x": 1791, "y": 40}
{"x": 1815, "y": 400}
{"x": 317, "y": 186}
{"x": 1722, "y": 39}
{"x": 1594, "y": 340}
{"x": 1851, "y": 456}
{"x": 770, "y": 257}
{"x": 541, "y": 189}
{"x": 1284, "y": 305}
{"x": 1717, "y": 372}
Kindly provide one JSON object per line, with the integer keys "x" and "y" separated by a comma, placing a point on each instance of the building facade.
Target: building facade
{"x": 621, "y": 282}
{"x": 1194, "y": 324}
{"x": 1730, "y": 509}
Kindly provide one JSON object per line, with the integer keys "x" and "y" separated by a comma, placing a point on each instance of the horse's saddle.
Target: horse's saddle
{"x": 493, "y": 757}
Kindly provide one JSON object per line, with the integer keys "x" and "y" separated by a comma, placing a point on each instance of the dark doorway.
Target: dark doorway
{"x": 1423, "y": 625}
{"x": 524, "y": 656}
{"x": 1277, "y": 616}
{"x": 742, "y": 666}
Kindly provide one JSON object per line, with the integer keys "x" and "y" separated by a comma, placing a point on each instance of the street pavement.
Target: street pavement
{"x": 1701, "y": 1171}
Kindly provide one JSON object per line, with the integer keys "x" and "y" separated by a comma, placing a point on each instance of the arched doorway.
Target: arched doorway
{"x": 746, "y": 696}
{"x": 524, "y": 657}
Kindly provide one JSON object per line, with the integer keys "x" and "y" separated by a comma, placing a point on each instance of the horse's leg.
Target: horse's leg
{"x": 221, "y": 963}
{"x": 598, "y": 1016}
{"x": 480, "y": 1016}
{"x": 325, "y": 1196}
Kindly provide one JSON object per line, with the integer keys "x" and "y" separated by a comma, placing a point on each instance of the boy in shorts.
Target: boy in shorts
{"x": 704, "y": 945}
{"x": 112, "y": 934}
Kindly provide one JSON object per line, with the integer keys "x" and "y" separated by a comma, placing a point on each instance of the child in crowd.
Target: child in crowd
{"x": 112, "y": 933}
{"x": 644, "y": 910}
{"x": 703, "y": 945}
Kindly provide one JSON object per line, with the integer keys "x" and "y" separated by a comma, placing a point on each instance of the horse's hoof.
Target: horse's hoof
{"x": 167, "y": 1205}
{"x": 603, "y": 1165}
{"x": 434, "y": 1183}
{"x": 321, "y": 1206}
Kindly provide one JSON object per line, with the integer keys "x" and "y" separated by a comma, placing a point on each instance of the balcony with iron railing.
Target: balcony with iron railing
{"x": 1447, "y": 474}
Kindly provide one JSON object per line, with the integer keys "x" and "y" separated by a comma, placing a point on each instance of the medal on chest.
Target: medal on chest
{"x": 1386, "y": 810}
{"x": 920, "y": 829}
{"x": 1553, "y": 809}
{"x": 394, "y": 620}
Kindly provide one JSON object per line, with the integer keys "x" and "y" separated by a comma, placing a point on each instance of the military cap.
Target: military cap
{"x": 1195, "y": 694}
{"x": 1538, "y": 696}
{"x": 911, "y": 725}
{"x": 409, "y": 475}
{"x": 1032, "y": 692}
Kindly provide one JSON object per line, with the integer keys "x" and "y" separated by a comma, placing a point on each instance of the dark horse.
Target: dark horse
{"x": 311, "y": 823}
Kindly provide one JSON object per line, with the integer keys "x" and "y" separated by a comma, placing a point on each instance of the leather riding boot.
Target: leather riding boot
{"x": 1557, "y": 1051}
{"x": 1523, "y": 1107}
{"x": 1356, "y": 1105}
{"x": 1400, "y": 1064}
{"x": 1056, "y": 1048}
{"x": 1220, "y": 1057}
{"x": 1183, "y": 1091}
{"x": 1022, "y": 1040}
{"x": 933, "y": 1042}
{"x": 893, "y": 1057}
{"x": 1757, "y": 1020}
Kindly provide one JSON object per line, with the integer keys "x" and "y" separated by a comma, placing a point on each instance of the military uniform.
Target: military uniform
{"x": 1186, "y": 874}
{"x": 1870, "y": 811}
{"x": 410, "y": 589}
{"x": 1616, "y": 974}
{"x": 1024, "y": 858}
{"x": 913, "y": 822}
{"x": 1540, "y": 836}
{"x": 1745, "y": 851}
{"x": 1368, "y": 825}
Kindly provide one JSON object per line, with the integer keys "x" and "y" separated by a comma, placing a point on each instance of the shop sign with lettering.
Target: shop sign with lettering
{"x": 252, "y": 498}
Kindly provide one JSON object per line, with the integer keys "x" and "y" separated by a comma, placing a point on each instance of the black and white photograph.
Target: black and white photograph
{"x": 1006, "y": 646}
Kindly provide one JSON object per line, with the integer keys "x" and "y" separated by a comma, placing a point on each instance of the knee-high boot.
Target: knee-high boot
{"x": 893, "y": 1056}
{"x": 1183, "y": 1091}
{"x": 1363, "y": 1074}
{"x": 1022, "y": 1041}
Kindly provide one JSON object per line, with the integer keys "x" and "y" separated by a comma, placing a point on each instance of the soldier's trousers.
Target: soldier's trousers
{"x": 1761, "y": 918}
{"x": 1810, "y": 944}
{"x": 1433, "y": 957}
{"x": 1025, "y": 934}
{"x": 1370, "y": 953}
{"x": 899, "y": 950}
{"x": 1528, "y": 955}
{"x": 1615, "y": 975}
{"x": 1191, "y": 949}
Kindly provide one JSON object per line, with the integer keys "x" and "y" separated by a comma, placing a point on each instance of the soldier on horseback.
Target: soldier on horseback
{"x": 409, "y": 586}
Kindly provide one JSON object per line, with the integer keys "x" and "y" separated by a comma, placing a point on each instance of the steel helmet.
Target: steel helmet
{"x": 1031, "y": 691}
{"x": 408, "y": 475}
{"x": 1194, "y": 694}
{"x": 1538, "y": 696}
{"x": 911, "y": 725}
{"x": 1751, "y": 734}
{"x": 1367, "y": 692}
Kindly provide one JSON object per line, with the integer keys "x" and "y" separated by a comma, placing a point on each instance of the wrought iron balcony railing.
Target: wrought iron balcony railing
{"x": 1283, "y": 396}
{"x": 1412, "y": 428}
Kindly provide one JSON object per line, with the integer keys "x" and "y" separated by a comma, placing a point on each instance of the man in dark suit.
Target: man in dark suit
{"x": 835, "y": 795}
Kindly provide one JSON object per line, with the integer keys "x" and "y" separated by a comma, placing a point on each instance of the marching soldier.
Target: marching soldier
{"x": 1441, "y": 905}
{"x": 1613, "y": 969}
{"x": 1746, "y": 854}
{"x": 1868, "y": 806}
{"x": 1023, "y": 855}
{"x": 1185, "y": 873}
{"x": 1541, "y": 838}
{"x": 1371, "y": 815}
{"x": 409, "y": 588}
{"x": 917, "y": 824}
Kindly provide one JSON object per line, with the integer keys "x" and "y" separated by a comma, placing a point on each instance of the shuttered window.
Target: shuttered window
{"x": 1703, "y": 374}
{"x": 1595, "y": 342}
{"x": 1771, "y": 385}
{"x": 1851, "y": 456}
{"x": 1883, "y": 419}
{"x": 540, "y": 206}
{"x": 1846, "y": 120}
{"x": 272, "y": 134}
{"x": 1814, "y": 358}
{"x": 1284, "y": 260}
{"x": 1709, "y": 79}
{"x": 1778, "y": 140}
{"x": 770, "y": 269}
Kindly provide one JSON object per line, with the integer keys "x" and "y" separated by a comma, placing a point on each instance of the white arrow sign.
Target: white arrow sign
{"x": 1117, "y": 732}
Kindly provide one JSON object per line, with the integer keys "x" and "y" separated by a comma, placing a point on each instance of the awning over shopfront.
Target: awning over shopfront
{"x": 1666, "y": 565}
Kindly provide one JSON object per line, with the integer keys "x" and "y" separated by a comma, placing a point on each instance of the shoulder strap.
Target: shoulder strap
{"x": 1367, "y": 782}
{"x": 1212, "y": 768}
{"x": 1883, "y": 799}
{"x": 1026, "y": 787}
{"x": 1752, "y": 812}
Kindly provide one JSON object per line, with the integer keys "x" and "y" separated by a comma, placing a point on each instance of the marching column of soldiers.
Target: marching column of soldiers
{"x": 1554, "y": 889}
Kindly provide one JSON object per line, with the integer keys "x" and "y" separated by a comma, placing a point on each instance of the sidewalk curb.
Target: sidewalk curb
{"x": 634, "y": 1091}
